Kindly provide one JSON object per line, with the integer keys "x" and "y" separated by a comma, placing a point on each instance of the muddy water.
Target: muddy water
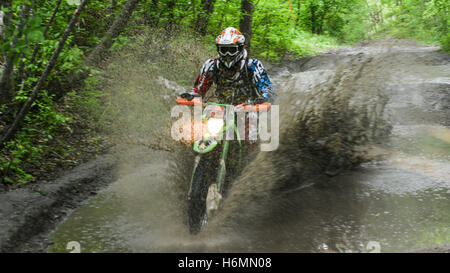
{"x": 397, "y": 202}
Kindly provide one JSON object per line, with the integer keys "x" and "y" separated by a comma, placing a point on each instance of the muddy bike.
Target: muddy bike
{"x": 217, "y": 157}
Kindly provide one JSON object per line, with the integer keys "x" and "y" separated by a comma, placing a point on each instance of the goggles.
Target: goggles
{"x": 228, "y": 50}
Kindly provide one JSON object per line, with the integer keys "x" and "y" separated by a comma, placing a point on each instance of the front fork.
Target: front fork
{"x": 221, "y": 168}
{"x": 214, "y": 192}
{"x": 214, "y": 196}
{"x": 196, "y": 161}
{"x": 222, "y": 165}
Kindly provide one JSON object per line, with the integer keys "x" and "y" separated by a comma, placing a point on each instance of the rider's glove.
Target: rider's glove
{"x": 260, "y": 100}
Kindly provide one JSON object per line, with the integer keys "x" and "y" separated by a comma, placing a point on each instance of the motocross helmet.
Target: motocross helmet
{"x": 230, "y": 46}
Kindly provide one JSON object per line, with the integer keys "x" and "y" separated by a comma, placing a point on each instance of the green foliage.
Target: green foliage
{"x": 275, "y": 32}
{"x": 426, "y": 21}
{"x": 175, "y": 50}
{"x": 445, "y": 43}
{"x": 31, "y": 144}
{"x": 32, "y": 33}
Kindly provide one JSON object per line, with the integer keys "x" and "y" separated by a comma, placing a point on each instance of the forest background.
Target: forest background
{"x": 56, "y": 57}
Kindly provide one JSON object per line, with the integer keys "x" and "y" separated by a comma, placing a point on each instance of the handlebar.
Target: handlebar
{"x": 262, "y": 107}
{"x": 194, "y": 101}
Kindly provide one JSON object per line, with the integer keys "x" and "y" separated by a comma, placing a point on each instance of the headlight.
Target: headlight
{"x": 215, "y": 126}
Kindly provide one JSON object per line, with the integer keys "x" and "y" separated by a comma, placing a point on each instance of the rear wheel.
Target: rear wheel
{"x": 204, "y": 176}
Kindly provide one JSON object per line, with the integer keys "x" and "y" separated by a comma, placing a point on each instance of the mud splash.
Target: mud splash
{"x": 328, "y": 118}
{"x": 339, "y": 110}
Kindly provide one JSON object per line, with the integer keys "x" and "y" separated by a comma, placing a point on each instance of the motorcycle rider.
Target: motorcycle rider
{"x": 238, "y": 79}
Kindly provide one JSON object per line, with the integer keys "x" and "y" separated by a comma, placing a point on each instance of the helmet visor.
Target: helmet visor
{"x": 228, "y": 50}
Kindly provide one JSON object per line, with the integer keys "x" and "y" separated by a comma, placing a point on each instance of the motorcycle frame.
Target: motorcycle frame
{"x": 227, "y": 128}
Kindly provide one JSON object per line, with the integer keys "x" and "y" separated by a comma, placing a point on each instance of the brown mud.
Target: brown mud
{"x": 27, "y": 214}
{"x": 338, "y": 110}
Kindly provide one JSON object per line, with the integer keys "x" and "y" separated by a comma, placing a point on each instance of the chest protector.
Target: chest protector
{"x": 234, "y": 86}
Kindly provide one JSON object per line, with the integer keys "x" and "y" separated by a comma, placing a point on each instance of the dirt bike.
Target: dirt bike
{"x": 208, "y": 180}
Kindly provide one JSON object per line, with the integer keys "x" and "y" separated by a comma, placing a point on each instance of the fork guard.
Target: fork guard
{"x": 203, "y": 146}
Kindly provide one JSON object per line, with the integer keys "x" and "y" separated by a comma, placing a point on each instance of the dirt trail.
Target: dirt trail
{"x": 28, "y": 214}
{"x": 384, "y": 101}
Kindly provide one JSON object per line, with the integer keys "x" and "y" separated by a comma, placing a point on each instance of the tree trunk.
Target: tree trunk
{"x": 151, "y": 19}
{"x": 96, "y": 57}
{"x": 313, "y": 8}
{"x": 7, "y": 77}
{"x": 2, "y": 19}
{"x": 99, "y": 52}
{"x": 245, "y": 24}
{"x": 25, "y": 74}
{"x": 6, "y": 66}
{"x": 24, "y": 110}
{"x": 203, "y": 17}
{"x": 171, "y": 8}
{"x": 297, "y": 19}
{"x": 7, "y": 81}
{"x": 194, "y": 12}
{"x": 112, "y": 7}
{"x": 21, "y": 70}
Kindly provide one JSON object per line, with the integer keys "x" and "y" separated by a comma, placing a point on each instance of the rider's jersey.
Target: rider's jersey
{"x": 246, "y": 80}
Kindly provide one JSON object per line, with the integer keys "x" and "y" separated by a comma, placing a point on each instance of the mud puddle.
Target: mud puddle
{"x": 395, "y": 203}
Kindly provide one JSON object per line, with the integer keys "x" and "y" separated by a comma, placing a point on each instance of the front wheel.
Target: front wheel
{"x": 204, "y": 175}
